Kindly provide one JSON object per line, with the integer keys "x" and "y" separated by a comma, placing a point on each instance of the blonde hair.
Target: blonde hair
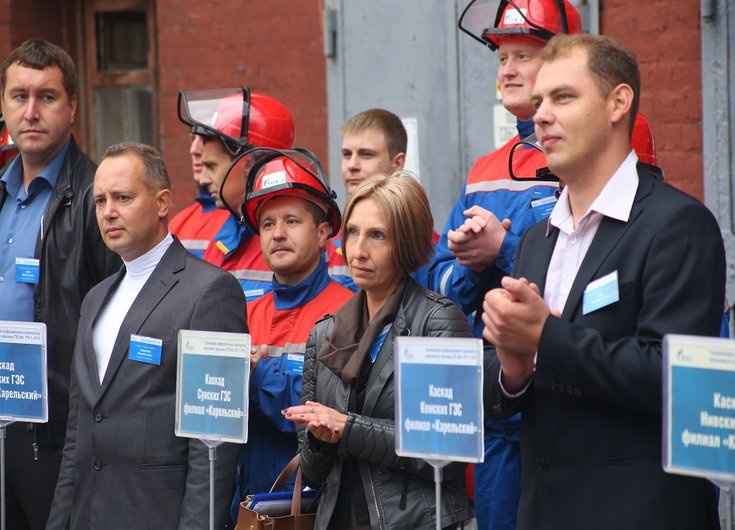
{"x": 403, "y": 202}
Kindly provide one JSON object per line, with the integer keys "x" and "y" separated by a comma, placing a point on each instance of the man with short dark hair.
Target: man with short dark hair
{"x": 577, "y": 332}
{"x": 230, "y": 122}
{"x": 122, "y": 465}
{"x": 46, "y": 224}
{"x": 197, "y": 224}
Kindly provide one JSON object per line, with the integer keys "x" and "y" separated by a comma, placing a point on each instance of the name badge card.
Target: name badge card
{"x": 439, "y": 411}
{"x": 23, "y": 383}
{"x": 600, "y": 293}
{"x": 145, "y": 349}
{"x": 27, "y": 270}
{"x": 542, "y": 208}
{"x": 212, "y": 386}
{"x": 699, "y": 407}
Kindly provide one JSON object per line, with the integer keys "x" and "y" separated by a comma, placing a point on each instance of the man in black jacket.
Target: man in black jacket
{"x": 47, "y": 224}
{"x": 623, "y": 260}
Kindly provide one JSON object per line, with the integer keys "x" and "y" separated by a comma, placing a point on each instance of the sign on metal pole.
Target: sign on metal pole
{"x": 212, "y": 386}
{"x": 699, "y": 407}
{"x": 23, "y": 382}
{"x": 439, "y": 412}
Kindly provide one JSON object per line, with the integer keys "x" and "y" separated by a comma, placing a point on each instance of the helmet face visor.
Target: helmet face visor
{"x": 541, "y": 19}
{"x": 232, "y": 191}
{"x": 477, "y": 18}
{"x": 218, "y": 113}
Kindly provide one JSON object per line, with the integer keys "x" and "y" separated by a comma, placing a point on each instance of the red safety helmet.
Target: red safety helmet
{"x": 8, "y": 150}
{"x": 240, "y": 119}
{"x": 272, "y": 173}
{"x": 540, "y": 19}
{"x": 641, "y": 140}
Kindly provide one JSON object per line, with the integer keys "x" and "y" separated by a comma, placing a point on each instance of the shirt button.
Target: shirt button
{"x": 2, "y": 278}
{"x": 97, "y": 466}
{"x": 22, "y": 206}
{"x": 10, "y": 240}
{"x": 544, "y": 466}
{"x": 98, "y": 417}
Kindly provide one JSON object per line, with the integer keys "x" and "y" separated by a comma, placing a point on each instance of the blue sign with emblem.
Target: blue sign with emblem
{"x": 23, "y": 383}
{"x": 699, "y": 406}
{"x": 439, "y": 411}
{"x": 212, "y": 386}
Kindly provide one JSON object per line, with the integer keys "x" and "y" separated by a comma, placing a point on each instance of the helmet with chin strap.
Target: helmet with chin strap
{"x": 239, "y": 118}
{"x": 539, "y": 19}
{"x": 274, "y": 173}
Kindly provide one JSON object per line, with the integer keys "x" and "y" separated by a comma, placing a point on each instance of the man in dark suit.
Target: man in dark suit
{"x": 623, "y": 260}
{"x": 122, "y": 465}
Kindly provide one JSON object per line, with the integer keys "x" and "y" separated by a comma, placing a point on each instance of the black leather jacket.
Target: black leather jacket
{"x": 370, "y": 437}
{"x": 73, "y": 259}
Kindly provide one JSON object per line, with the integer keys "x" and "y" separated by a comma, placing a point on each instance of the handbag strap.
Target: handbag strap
{"x": 287, "y": 472}
{"x": 281, "y": 480}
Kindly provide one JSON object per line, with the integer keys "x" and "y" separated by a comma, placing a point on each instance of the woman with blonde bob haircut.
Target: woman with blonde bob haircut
{"x": 403, "y": 202}
{"x": 347, "y": 436}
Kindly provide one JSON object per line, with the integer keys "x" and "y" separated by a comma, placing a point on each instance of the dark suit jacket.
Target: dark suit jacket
{"x": 123, "y": 467}
{"x": 591, "y": 420}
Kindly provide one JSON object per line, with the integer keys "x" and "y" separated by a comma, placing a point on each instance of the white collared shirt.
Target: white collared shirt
{"x": 614, "y": 201}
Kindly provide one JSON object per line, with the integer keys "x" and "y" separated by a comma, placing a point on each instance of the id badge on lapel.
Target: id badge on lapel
{"x": 601, "y": 293}
{"x": 145, "y": 349}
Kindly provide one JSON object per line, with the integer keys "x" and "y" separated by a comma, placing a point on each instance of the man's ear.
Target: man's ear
{"x": 621, "y": 101}
{"x": 73, "y": 105}
{"x": 323, "y": 230}
{"x": 163, "y": 199}
{"x": 398, "y": 161}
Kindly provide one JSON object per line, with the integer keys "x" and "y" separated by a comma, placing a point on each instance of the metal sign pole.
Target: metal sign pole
{"x": 212, "y": 444}
{"x": 727, "y": 502}
{"x": 438, "y": 477}
{"x": 2, "y": 474}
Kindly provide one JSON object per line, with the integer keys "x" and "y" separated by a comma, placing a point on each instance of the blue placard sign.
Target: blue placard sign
{"x": 212, "y": 386}
{"x": 699, "y": 406}
{"x": 23, "y": 384}
{"x": 439, "y": 412}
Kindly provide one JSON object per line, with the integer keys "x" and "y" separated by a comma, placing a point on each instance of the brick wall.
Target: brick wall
{"x": 273, "y": 46}
{"x": 665, "y": 35}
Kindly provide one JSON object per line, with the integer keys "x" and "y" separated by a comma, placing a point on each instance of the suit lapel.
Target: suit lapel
{"x": 161, "y": 281}
{"x": 536, "y": 265}
{"x": 606, "y": 240}
{"x": 90, "y": 355}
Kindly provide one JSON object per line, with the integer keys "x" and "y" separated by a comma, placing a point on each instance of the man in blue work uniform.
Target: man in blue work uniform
{"x": 291, "y": 207}
{"x": 230, "y": 122}
{"x": 478, "y": 244}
